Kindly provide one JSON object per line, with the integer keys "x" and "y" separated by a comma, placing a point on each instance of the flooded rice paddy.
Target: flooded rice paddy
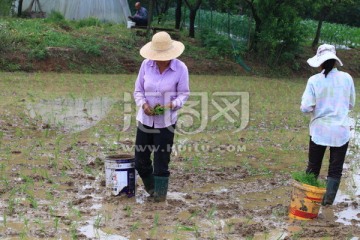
{"x": 53, "y": 178}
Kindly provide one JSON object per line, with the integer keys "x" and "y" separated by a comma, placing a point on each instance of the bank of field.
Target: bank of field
{"x": 238, "y": 139}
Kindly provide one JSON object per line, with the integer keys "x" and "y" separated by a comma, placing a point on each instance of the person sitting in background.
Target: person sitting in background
{"x": 141, "y": 16}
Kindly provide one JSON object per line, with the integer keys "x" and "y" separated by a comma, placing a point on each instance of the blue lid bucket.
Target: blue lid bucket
{"x": 120, "y": 174}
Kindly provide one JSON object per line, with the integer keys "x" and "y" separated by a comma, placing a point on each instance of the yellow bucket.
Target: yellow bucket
{"x": 305, "y": 201}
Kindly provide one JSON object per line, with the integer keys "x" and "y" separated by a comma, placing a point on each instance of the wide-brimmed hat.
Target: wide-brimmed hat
{"x": 162, "y": 48}
{"x": 324, "y": 52}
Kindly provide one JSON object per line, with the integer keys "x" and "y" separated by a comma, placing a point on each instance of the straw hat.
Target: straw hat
{"x": 162, "y": 48}
{"x": 324, "y": 52}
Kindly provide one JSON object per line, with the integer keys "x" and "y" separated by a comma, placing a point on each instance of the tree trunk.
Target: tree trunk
{"x": 192, "y": 17}
{"x": 161, "y": 8}
{"x": 323, "y": 13}
{"x": 150, "y": 16}
{"x": 317, "y": 35}
{"x": 19, "y": 11}
{"x": 178, "y": 14}
{"x": 253, "y": 44}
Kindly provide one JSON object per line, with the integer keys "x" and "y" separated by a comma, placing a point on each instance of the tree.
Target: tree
{"x": 346, "y": 13}
{"x": 278, "y": 32}
{"x": 19, "y": 10}
{"x": 258, "y": 22}
{"x": 150, "y": 16}
{"x": 178, "y": 14}
{"x": 161, "y": 8}
{"x": 5, "y": 7}
{"x": 193, "y": 6}
{"x": 323, "y": 9}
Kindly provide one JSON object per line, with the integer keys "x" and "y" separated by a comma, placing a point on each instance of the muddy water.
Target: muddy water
{"x": 70, "y": 201}
{"x": 71, "y": 114}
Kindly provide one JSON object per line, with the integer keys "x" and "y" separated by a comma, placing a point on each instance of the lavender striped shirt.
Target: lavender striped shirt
{"x": 154, "y": 88}
{"x": 329, "y": 101}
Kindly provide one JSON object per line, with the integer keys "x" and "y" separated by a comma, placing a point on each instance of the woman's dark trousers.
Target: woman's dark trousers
{"x": 159, "y": 141}
{"x": 337, "y": 158}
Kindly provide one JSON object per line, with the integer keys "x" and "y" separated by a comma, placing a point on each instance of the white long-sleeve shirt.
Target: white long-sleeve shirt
{"x": 329, "y": 101}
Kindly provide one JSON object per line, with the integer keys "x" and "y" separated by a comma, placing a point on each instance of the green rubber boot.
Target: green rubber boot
{"x": 149, "y": 183}
{"x": 161, "y": 188}
{"x": 332, "y": 186}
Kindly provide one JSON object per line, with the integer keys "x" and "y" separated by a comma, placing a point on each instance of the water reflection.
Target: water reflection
{"x": 91, "y": 232}
{"x": 350, "y": 189}
{"x": 71, "y": 114}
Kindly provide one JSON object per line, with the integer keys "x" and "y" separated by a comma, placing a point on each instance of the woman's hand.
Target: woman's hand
{"x": 147, "y": 109}
{"x": 168, "y": 106}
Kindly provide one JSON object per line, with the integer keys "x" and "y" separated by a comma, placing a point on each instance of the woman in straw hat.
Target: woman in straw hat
{"x": 161, "y": 88}
{"x": 328, "y": 97}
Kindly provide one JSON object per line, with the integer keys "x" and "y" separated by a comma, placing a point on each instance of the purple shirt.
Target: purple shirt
{"x": 154, "y": 88}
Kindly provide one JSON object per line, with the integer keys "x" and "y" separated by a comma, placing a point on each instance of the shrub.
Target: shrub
{"x": 39, "y": 53}
{"x": 55, "y": 17}
{"x": 88, "y": 22}
{"x": 216, "y": 44}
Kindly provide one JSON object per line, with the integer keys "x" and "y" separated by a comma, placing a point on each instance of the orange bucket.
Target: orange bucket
{"x": 305, "y": 201}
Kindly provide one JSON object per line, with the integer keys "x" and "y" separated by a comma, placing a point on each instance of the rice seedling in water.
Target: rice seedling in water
{"x": 97, "y": 222}
{"x": 155, "y": 225}
{"x": 73, "y": 230}
{"x": 134, "y": 226}
{"x": 211, "y": 213}
{"x": 40, "y": 223}
{"x": 33, "y": 201}
{"x": 128, "y": 210}
{"x": 4, "y": 220}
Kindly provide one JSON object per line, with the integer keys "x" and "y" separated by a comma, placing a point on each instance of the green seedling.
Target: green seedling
{"x": 308, "y": 178}
{"x": 97, "y": 222}
{"x": 4, "y": 220}
{"x": 134, "y": 227}
{"x": 128, "y": 210}
{"x": 56, "y": 223}
{"x": 158, "y": 110}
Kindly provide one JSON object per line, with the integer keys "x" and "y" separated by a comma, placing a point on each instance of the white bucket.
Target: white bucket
{"x": 120, "y": 174}
{"x": 130, "y": 24}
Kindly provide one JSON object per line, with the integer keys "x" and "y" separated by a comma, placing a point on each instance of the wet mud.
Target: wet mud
{"x": 55, "y": 189}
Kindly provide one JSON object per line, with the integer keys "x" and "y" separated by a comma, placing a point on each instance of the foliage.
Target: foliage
{"x": 55, "y": 17}
{"x": 332, "y": 33}
{"x": 5, "y": 37}
{"x": 5, "y": 7}
{"x": 36, "y": 34}
{"x": 58, "y": 19}
{"x": 216, "y": 44}
{"x": 345, "y": 13}
{"x": 339, "y": 11}
{"x": 39, "y": 53}
{"x": 278, "y": 32}
{"x": 308, "y": 178}
{"x": 88, "y": 22}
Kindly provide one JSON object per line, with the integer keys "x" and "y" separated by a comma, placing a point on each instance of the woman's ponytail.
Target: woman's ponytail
{"x": 328, "y": 65}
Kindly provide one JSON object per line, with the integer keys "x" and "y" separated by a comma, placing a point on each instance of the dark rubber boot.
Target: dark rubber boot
{"x": 149, "y": 183}
{"x": 332, "y": 186}
{"x": 161, "y": 188}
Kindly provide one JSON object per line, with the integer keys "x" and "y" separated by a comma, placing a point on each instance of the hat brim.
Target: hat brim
{"x": 175, "y": 51}
{"x": 317, "y": 61}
